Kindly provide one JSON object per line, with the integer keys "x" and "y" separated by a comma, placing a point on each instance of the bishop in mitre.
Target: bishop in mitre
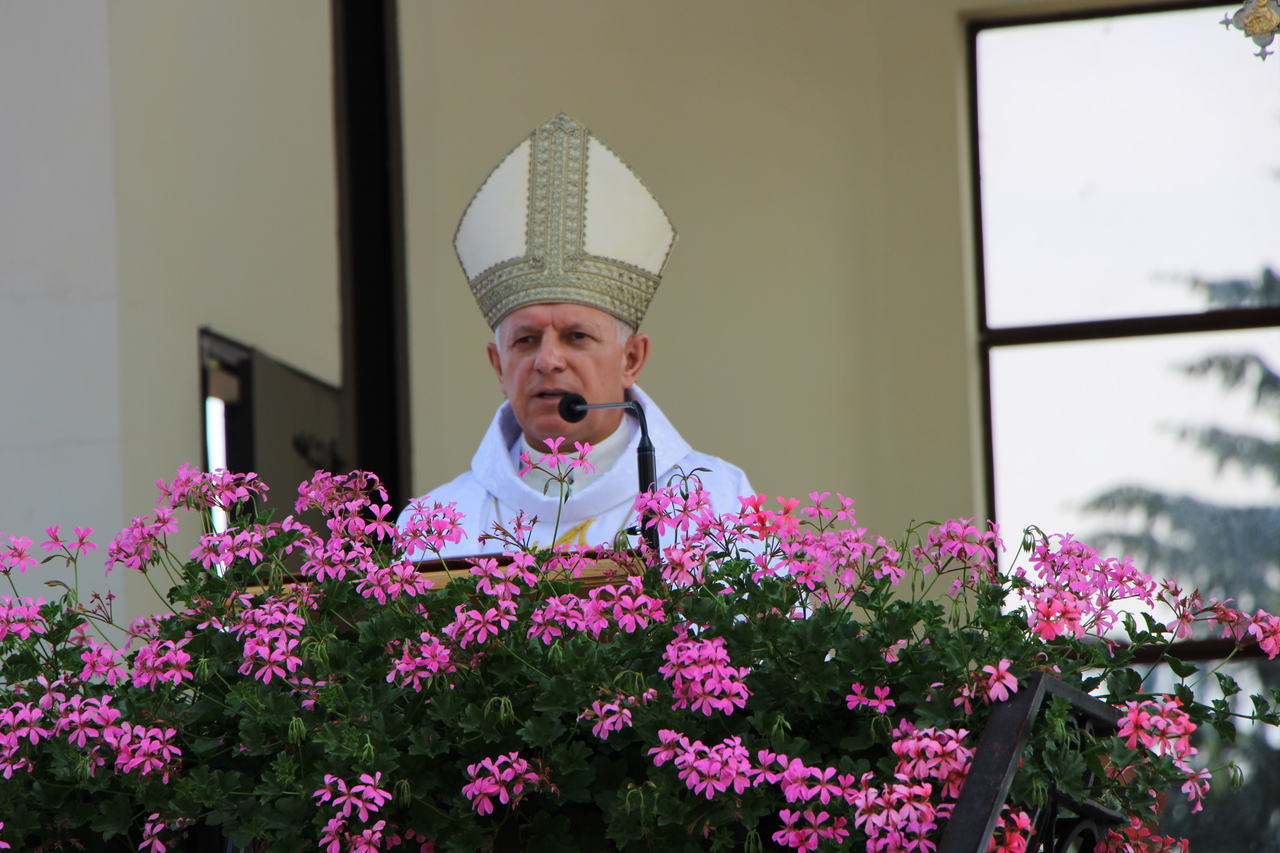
{"x": 564, "y": 246}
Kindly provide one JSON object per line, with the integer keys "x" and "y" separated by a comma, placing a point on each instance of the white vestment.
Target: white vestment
{"x": 492, "y": 490}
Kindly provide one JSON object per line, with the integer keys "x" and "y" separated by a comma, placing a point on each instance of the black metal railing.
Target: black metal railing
{"x": 1062, "y": 824}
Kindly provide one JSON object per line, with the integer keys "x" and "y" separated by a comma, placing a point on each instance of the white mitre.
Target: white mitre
{"x": 563, "y": 219}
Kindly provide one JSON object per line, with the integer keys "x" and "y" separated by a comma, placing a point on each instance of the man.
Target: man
{"x": 563, "y": 247}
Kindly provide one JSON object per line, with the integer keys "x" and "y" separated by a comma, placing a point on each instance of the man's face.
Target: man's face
{"x": 547, "y": 351}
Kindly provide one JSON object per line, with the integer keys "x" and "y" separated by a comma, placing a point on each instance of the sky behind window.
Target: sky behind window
{"x": 1121, "y": 158}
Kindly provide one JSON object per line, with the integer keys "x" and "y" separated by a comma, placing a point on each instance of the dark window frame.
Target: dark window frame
{"x": 990, "y": 338}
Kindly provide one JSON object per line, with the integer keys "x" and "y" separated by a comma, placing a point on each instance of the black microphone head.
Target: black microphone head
{"x": 573, "y": 408}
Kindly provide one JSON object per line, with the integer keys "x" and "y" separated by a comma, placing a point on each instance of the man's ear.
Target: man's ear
{"x": 634, "y": 355}
{"x": 495, "y": 359}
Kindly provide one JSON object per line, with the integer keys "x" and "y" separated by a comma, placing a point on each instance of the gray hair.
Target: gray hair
{"x": 624, "y": 331}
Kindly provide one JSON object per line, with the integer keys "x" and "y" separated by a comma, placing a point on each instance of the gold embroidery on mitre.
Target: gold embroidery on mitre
{"x": 556, "y": 266}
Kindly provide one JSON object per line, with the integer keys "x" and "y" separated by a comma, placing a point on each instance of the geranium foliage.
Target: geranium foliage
{"x": 775, "y": 678}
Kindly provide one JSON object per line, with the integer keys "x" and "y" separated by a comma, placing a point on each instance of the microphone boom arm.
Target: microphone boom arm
{"x": 574, "y": 407}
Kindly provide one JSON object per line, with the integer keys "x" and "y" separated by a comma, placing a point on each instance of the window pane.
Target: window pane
{"x": 1120, "y": 159}
{"x": 1123, "y": 422}
{"x": 1253, "y": 812}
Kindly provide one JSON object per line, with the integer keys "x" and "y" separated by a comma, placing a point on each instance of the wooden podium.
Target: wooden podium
{"x": 595, "y": 573}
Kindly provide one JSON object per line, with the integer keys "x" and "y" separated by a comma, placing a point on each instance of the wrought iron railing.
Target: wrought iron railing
{"x": 1061, "y": 824}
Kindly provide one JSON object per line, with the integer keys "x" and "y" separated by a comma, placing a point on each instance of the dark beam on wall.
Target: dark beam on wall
{"x": 371, "y": 228}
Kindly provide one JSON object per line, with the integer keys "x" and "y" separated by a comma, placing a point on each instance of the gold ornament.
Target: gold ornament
{"x": 1261, "y": 19}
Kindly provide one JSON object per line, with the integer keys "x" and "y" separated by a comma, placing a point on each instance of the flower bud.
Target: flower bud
{"x": 297, "y": 731}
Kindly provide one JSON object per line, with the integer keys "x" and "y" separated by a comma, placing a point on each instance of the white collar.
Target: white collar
{"x": 601, "y": 456}
{"x": 494, "y": 469}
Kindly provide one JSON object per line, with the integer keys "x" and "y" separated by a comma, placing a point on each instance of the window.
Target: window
{"x": 1129, "y": 196}
{"x": 264, "y": 416}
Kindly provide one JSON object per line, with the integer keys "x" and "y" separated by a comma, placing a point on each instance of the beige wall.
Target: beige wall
{"x": 814, "y": 325}
{"x": 59, "y": 378}
{"x": 815, "y": 322}
{"x": 224, "y": 169}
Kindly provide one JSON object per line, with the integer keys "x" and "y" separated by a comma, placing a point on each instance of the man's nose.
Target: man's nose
{"x": 550, "y": 356}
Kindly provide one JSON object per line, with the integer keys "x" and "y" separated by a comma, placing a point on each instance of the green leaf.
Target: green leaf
{"x": 550, "y": 834}
{"x": 1180, "y": 668}
{"x": 1227, "y": 684}
{"x": 428, "y": 743}
{"x": 557, "y": 696}
{"x": 1123, "y": 685}
{"x": 115, "y": 817}
{"x": 286, "y": 812}
{"x": 542, "y": 731}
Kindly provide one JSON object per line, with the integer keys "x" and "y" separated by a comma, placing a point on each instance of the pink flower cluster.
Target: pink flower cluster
{"x": 1072, "y": 591}
{"x": 420, "y": 662}
{"x": 768, "y": 522}
{"x": 708, "y": 770}
{"x": 70, "y": 550}
{"x": 897, "y": 817}
{"x": 216, "y": 551}
{"x": 385, "y": 583}
{"x": 506, "y": 777}
{"x": 194, "y": 489}
{"x": 428, "y": 527}
{"x": 361, "y": 801}
{"x": 799, "y": 544}
{"x": 1012, "y": 832}
{"x": 501, "y": 581}
{"x": 159, "y": 662}
{"x": 961, "y": 540}
{"x": 992, "y": 683}
{"x": 1140, "y": 837}
{"x": 85, "y": 719}
{"x": 560, "y": 614}
{"x": 339, "y": 495}
{"x": 933, "y": 756}
{"x": 475, "y": 626}
{"x": 1159, "y": 725}
{"x": 146, "y": 749}
{"x": 844, "y": 555}
{"x": 625, "y": 606}
{"x": 364, "y": 798}
{"x": 335, "y": 557}
{"x": 357, "y": 522}
{"x": 1261, "y": 627}
{"x": 857, "y": 698}
{"x": 152, "y": 829}
{"x": 558, "y": 464}
{"x": 614, "y": 714}
{"x": 17, "y": 555}
{"x": 142, "y": 541}
{"x": 90, "y": 724}
{"x": 684, "y": 565}
{"x": 812, "y": 832}
{"x": 686, "y": 507}
{"x": 271, "y": 635}
{"x": 102, "y": 660}
{"x": 801, "y": 783}
{"x": 21, "y": 617}
{"x": 701, "y": 676}
{"x": 18, "y": 723}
